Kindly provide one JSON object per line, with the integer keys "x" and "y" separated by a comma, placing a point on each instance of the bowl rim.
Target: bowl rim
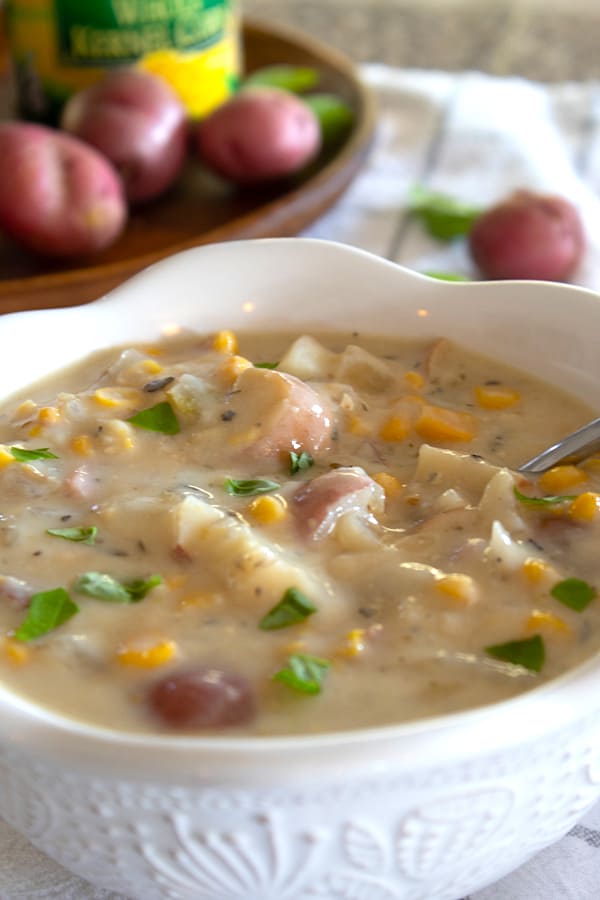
{"x": 547, "y": 699}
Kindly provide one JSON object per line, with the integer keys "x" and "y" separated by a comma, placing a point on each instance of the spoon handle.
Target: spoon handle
{"x": 577, "y": 446}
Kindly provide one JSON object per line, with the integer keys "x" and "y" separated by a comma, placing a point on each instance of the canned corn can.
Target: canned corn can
{"x": 61, "y": 46}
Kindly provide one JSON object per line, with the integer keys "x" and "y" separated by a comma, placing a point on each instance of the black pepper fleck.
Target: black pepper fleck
{"x": 158, "y": 384}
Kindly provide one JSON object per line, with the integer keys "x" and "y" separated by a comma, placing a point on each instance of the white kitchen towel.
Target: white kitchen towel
{"x": 477, "y": 138}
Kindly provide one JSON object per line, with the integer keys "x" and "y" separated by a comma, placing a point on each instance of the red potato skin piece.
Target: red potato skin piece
{"x": 202, "y": 697}
{"x": 315, "y": 500}
{"x": 528, "y": 236}
{"x": 260, "y": 134}
{"x": 58, "y": 196}
{"x": 139, "y": 123}
{"x": 299, "y": 420}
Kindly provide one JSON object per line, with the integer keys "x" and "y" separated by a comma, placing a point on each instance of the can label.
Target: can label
{"x": 60, "y": 46}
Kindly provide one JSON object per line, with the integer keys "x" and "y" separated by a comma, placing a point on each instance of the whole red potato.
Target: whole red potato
{"x": 58, "y": 196}
{"x": 262, "y": 133}
{"x": 528, "y": 235}
{"x": 138, "y": 122}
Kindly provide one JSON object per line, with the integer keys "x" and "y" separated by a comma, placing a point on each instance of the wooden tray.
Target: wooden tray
{"x": 201, "y": 209}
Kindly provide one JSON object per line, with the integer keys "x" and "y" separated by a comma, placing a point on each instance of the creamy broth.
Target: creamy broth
{"x": 363, "y": 490}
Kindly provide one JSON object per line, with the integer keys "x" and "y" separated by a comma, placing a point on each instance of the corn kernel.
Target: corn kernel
{"x": 106, "y": 397}
{"x": 560, "y": 478}
{"x": 117, "y": 436}
{"x": 48, "y": 415}
{"x": 358, "y": 426}
{"x": 6, "y": 457}
{"x": 225, "y": 342}
{"x": 436, "y": 423}
{"x": 396, "y": 428}
{"x": 496, "y": 397}
{"x": 24, "y": 410}
{"x": 154, "y": 350}
{"x": 294, "y": 647}
{"x": 174, "y": 581}
{"x": 414, "y": 379}
{"x": 16, "y": 652}
{"x": 268, "y": 509}
{"x": 535, "y": 570}
{"x": 150, "y": 366}
{"x": 593, "y": 464}
{"x": 354, "y": 643}
{"x": 541, "y": 619}
{"x": 200, "y": 600}
{"x": 82, "y": 444}
{"x": 585, "y": 507}
{"x": 35, "y": 431}
{"x": 148, "y": 658}
{"x": 459, "y": 587}
{"x": 230, "y": 369}
{"x": 390, "y": 484}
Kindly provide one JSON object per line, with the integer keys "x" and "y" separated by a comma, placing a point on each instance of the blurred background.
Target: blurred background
{"x": 549, "y": 40}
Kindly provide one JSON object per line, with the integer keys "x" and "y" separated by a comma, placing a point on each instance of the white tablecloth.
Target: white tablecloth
{"x": 477, "y": 138}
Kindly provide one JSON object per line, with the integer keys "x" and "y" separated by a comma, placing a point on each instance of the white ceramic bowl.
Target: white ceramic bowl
{"x": 425, "y": 811}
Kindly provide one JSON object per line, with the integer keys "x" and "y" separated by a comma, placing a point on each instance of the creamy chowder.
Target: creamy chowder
{"x": 290, "y": 535}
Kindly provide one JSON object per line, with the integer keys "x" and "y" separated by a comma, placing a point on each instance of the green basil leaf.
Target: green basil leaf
{"x": 542, "y": 501}
{"x": 157, "y": 418}
{"x": 295, "y": 79}
{"x": 529, "y": 653}
{"x": 22, "y": 455}
{"x": 304, "y": 673}
{"x": 444, "y": 217}
{"x": 335, "y": 117}
{"x": 137, "y": 588}
{"x": 82, "y": 535}
{"x": 447, "y": 276}
{"x": 266, "y": 365}
{"x": 47, "y": 610}
{"x": 294, "y": 607}
{"x": 248, "y": 488}
{"x": 104, "y": 587}
{"x": 574, "y": 593}
{"x": 300, "y": 461}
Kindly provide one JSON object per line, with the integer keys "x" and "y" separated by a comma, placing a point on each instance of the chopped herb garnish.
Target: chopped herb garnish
{"x": 250, "y": 487}
{"x": 574, "y": 593}
{"x": 335, "y": 117}
{"x": 22, "y": 455}
{"x": 542, "y": 501}
{"x": 443, "y": 216}
{"x": 266, "y": 365}
{"x": 47, "y": 610}
{"x": 304, "y": 673}
{"x": 448, "y": 276}
{"x": 82, "y": 535}
{"x": 294, "y": 607}
{"x": 300, "y": 461}
{"x": 157, "y": 418}
{"x": 529, "y": 653}
{"x": 105, "y": 587}
{"x": 137, "y": 588}
{"x": 295, "y": 79}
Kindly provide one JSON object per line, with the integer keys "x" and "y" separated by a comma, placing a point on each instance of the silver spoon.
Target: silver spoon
{"x": 576, "y": 446}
